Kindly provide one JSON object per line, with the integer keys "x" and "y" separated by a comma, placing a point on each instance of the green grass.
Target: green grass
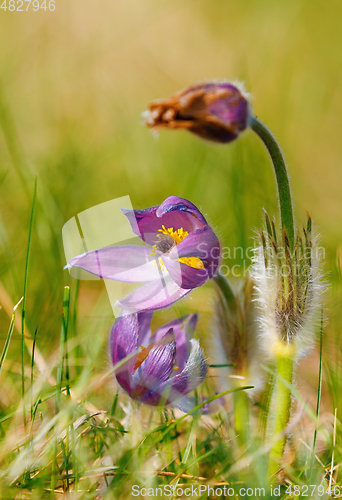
{"x": 72, "y": 86}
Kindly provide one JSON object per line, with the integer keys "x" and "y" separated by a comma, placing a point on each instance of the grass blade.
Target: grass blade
{"x": 9, "y": 335}
{"x": 319, "y": 396}
{"x": 63, "y": 340}
{"x": 32, "y": 365}
{"x": 25, "y": 295}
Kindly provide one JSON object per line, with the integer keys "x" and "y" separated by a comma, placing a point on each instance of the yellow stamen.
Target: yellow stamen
{"x": 161, "y": 264}
{"x": 192, "y": 262}
{"x": 178, "y": 236}
{"x": 142, "y": 356}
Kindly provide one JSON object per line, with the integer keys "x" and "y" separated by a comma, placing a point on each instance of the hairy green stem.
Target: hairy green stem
{"x": 241, "y": 417}
{"x": 266, "y": 403}
{"x": 284, "y": 192}
{"x": 282, "y": 417}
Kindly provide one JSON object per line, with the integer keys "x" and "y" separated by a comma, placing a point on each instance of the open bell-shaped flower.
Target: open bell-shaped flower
{"x": 180, "y": 252}
{"x": 169, "y": 365}
{"x": 217, "y": 112}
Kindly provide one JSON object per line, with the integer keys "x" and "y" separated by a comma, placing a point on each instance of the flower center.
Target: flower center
{"x": 169, "y": 239}
{"x": 165, "y": 243}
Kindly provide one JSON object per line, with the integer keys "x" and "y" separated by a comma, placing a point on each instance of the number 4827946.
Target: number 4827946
{"x": 22, "y": 5}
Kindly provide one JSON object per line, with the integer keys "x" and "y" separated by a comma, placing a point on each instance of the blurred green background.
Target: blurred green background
{"x": 73, "y": 84}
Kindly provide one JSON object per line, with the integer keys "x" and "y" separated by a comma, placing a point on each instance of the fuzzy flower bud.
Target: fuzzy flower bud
{"x": 289, "y": 290}
{"x": 217, "y": 112}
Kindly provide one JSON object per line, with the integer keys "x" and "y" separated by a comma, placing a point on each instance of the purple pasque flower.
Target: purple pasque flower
{"x": 180, "y": 252}
{"x": 217, "y": 112}
{"x": 169, "y": 366}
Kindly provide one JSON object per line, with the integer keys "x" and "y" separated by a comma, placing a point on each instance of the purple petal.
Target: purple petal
{"x": 124, "y": 338}
{"x": 145, "y": 333}
{"x": 156, "y": 368}
{"x": 232, "y": 109}
{"x": 191, "y": 377}
{"x": 183, "y": 329}
{"x": 127, "y": 333}
{"x": 227, "y": 114}
{"x": 202, "y": 243}
{"x": 174, "y": 212}
{"x": 129, "y": 263}
{"x": 185, "y": 276}
{"x": 124, "y": 379}
{"x": 214, "y": 131}
{"x": 154, "y": 295}
{"x": 228, "y": 108}
{"x": 174, "y": 203}
{"x": 140, "y": 220}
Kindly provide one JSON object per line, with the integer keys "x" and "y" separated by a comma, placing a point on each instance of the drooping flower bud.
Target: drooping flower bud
{"x": 289, "y": 289}
{"x": 217, "y": 112}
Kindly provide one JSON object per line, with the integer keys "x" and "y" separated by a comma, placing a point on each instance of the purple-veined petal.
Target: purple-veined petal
{"x": 156, "y": 368}
{"x": 185, "y": 276}
{"x": 154, "y": 295}
{"x": 191, "y": 377}
{"x": 174, "y": 203}
{"x": 129, "y": 263}
{"x": 139, "y": 220}
{"x": 124, "y": 338}
{"x": 183, "y": 329}
{"x": 127, "y": 333}
{"x": 202, "y": 243}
